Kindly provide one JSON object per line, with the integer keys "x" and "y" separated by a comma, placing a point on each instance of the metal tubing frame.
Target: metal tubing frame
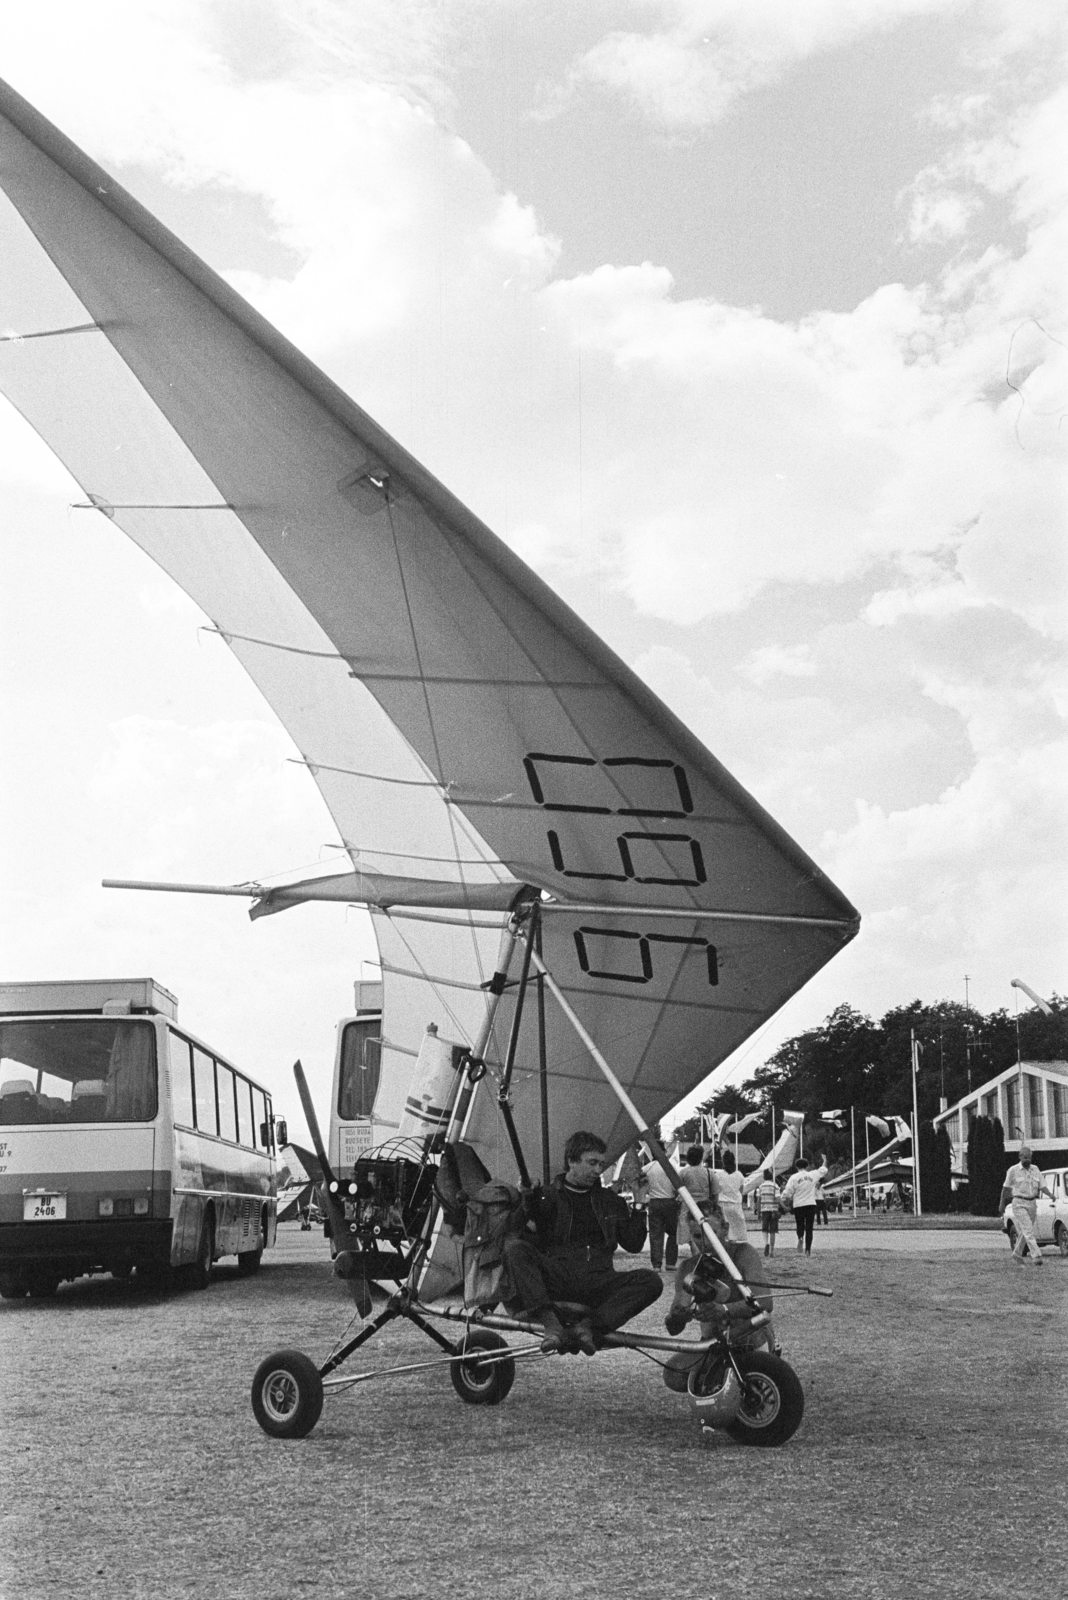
{"x": 646, "y": 1134}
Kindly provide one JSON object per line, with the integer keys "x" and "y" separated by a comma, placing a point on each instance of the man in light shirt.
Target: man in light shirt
{"x": 663, "y": 1211}
{"x": 1023, "y": 1185}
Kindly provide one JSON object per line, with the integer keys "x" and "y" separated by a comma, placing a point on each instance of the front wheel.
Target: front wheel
{"x": 1060, "y": 1238}
{"x": 482, "y": 1383}
{"x": 1010, "y": 1232}
{"x": 287, "y": 1395}
{"x": 773, "y": 1401}
{"x": 12, "y": 1286}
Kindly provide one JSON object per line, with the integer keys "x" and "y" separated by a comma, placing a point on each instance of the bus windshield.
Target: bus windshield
{"x": 99, "y": 1069}
{"x": 361, "y": 1068}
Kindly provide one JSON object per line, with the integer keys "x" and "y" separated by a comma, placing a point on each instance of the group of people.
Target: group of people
{"x": 802, "y": 1194}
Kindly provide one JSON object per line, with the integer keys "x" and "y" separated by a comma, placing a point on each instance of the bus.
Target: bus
{"x": 127, "y": 1145}
{"x": 359, "y": 1121}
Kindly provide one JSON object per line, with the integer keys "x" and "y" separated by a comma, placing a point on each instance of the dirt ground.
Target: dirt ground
{"x": 931, "y": 1461}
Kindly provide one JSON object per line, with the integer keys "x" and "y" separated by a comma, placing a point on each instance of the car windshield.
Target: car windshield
{"x": 78, "y": 1071}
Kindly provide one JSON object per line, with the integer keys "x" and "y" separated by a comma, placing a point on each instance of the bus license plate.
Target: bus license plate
{"x": 44, "y": 1208}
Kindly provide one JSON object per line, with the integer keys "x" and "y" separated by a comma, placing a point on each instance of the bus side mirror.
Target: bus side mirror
{"x": 281, "y": 1131}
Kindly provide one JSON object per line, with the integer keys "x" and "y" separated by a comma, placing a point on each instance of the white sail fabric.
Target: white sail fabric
{"x": 462, "y": 723}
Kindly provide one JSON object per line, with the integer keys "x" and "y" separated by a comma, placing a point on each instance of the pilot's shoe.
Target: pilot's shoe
{"x": 583, "y": 1335}
{"x": 558, "y": 1340}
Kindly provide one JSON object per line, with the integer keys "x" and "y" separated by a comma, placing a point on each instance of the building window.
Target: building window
{"x": 1014, "y": 1127}
{"x": 1060, "y": 1110}
{"x": 1036, "y": 1106}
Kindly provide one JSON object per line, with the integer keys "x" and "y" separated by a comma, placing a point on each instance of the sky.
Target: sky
{"x": 743, "y": 323}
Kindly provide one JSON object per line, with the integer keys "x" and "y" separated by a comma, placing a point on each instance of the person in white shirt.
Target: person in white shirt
{"x": 663, "y": 1212}
{"x": 800, "y": 1194}
{"x": 1023, "y": 1185}
{"x": 728, "y": 1186}
{"x": 697, "y": 1178}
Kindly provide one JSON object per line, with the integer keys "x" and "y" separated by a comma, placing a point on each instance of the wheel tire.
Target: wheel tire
{"x": 12, "y": 1286}
{"x": 248, "y": 1261}
{"x": 287, "y": 1395}
{"x": 1010, "y": 1234}
{"x": 156, "y": 1277}
{"x": 122, "y": 1272}
{"x": 1060, "y": 1238}
{"x": 200, "y": 1271}
{"x": 773, "y": 1403}
{"x": 42, "y": 1285}
{"x": 474, "y": 1381}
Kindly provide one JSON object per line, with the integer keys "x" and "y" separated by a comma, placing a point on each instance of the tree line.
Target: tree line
{"x": 851, "y": 1061}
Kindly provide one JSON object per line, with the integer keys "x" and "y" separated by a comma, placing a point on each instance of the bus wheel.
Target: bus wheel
{"x": 200, "y": 1271}
{"x": 248, "y": 1261}
{"x": 12, "y": 1286}
{"x": 482, "y": 1383}
{"x": 287, "y": 1395}
{"x": 121, "y": 1270}
{"x": 155, "y": 1276}
{"x": 42, "y": 1285}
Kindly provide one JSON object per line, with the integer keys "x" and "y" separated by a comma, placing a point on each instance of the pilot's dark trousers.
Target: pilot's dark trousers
{"x": 578, "y": 1273}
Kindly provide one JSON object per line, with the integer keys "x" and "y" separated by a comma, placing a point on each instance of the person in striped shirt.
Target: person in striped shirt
{"x": 768, "y": 1206}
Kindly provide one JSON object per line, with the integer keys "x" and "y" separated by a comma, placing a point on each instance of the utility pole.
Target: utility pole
{"x": 853, "y": 1156}
{"x": 917, "y": 1203}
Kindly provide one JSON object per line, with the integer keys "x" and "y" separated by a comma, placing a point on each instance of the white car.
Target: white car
{"x": 1051, "y": 1221}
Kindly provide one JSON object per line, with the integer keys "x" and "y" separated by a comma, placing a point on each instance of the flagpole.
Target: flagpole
{"x": 917, "y": 1203}
{"x": 853, "y": 1144}
{"x": 867, "y": 1158}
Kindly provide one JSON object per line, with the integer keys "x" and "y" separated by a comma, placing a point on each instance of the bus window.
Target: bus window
{"x": 244, "y": 1112}
{"x": 361, "y": 1066}
{"x": 259, "y": 1117}
{"x": 204, "y": 1088}
{"x": 224, "y": 1081}
{"x": 91, "y": 1070}
{"x": 181, "y": 1081}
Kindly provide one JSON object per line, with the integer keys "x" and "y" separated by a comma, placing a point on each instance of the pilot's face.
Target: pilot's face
{"x": 584, "y": 1172}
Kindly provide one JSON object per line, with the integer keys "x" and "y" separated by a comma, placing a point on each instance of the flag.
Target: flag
{"x": 833, "y": 1117}
{"x": 901, "y": 1128}
{"x": 879, "y": 1125}
{"x": 736, "y": 1127}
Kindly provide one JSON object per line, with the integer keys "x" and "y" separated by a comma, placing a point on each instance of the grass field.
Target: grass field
{"x": 932, "y": 1460}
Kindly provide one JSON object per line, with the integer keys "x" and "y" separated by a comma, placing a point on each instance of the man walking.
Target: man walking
{"x": 1023, "y": 1185}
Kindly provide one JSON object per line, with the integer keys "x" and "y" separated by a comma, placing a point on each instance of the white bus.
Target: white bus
{"x": 126, "y": 1144}
{"x": 358, "y": 1120}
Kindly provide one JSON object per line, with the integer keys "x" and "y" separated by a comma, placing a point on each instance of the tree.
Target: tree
{"x": 987, "y": 1166}
{"x": 935, "y": 1166}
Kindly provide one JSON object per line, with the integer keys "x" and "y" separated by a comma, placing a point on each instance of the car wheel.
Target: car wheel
{"x": 1060, "y": 1238}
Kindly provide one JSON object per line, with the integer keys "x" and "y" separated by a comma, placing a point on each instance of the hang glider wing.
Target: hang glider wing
{"x": 465, "y": 728}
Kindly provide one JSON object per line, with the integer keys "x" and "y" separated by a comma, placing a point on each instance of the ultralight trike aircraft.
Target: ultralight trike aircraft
{"x": 501, "y": 781}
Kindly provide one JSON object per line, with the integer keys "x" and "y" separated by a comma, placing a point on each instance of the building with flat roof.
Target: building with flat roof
{"x": 1031, "y": 1102}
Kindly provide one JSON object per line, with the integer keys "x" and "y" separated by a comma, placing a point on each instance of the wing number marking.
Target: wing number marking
{"x": 637, "y": 948}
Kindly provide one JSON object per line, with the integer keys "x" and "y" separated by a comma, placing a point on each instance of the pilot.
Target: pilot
{"x": 578, "y": 1226}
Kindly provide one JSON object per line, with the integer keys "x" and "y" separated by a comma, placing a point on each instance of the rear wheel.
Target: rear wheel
{"x": 481, "y": 1382}
{"x": 248, "y": 1261}
{"x": 773, "y": 1401}
{"x": 1060, "y": 1238}
{"x": 12, "y": 1286}
{"x": 287, "y": 1395}
{"x": 200, "y": 1271}
{"x": 122, "y": 1270}
{"x": 42, "y": 1285}
{"x": 1010, "y": 1232}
